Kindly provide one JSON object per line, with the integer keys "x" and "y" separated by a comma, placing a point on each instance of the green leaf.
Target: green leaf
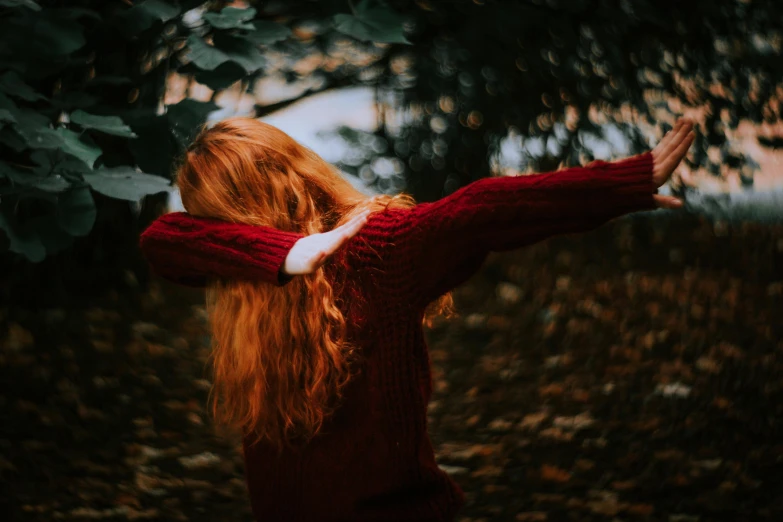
{"x": 227, "y": 48}
{"x": 44, "y": 233}
{"x": 11, "y": 139}
{"x": 155, "y": 148}
{"x": 159, "y": 9}
{"x": 374, "y": 21}
{"x": 69, "y": 167}
{"x": 28, "y": 119}
{"x": 6, "y": 116}
{"x": 55, "y": 170}
{"x": 13, "y": 85}
{"x": 265, "y": 32}
{"x": 109, "y": 124}
{"x": 53, "y": 184}
{"x": 45, "y": 178}
{"x": 386, "y": 33}
{"x": 76, "y": 211}
{"x": 25, "y": 242}
{"x": 231, "y": 18}
{"x": 7, "y": 103}
{"x": 126, "y": 183}
{"x": 204, "y": 55}
{"x": 74, "y": 13}
{"x": 74, "y": 146}
{"x": 224, "y": 76}
{"x": 54, "y": 35}
{"x": 241, "y": 51}
{"x": 142, "y": 16}
{"x": 352, "y": 26}
{"x": 25, "y": 3}
{"x": 17, "y": 176}
{"x": 187, "y": 118}
{"x": 39, "y": 137}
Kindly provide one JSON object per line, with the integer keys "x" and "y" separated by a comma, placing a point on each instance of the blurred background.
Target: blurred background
{"x": 632, "y": 373}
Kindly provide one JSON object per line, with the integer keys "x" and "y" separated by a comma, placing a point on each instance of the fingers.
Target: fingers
{"x": 312, "y": 251}
{"x": 670, "y": 161}
{"x": 677, "y": 136}
{"x": 667, "y": 138}
{"x": 673, "y": 150}
{"x": 682, "y": 149}
{"x": 349, "y": 229}
{"x": 343, "y": 233}
{"x": 669, "y": 202}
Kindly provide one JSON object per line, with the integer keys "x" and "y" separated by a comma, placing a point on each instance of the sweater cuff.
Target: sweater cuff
{"x": 633, "y": 181}
{"x": 191, "y": 250}
{"x": 257, "y": 255}
{"x": 269, "y": 252}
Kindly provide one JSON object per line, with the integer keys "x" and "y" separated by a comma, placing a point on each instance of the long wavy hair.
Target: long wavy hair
{"x": 280, "y": 358}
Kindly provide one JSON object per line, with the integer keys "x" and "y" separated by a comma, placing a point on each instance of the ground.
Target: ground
{"x": 633, "y": 373}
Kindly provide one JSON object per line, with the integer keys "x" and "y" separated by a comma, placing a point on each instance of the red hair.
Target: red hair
{"x": 280, "y": 358}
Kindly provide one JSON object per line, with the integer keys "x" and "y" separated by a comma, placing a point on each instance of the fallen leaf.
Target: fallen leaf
{"x": 554, "y": 474}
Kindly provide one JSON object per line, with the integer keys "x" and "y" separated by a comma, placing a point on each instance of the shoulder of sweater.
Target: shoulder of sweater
{"x": 389, "y": 223}
{"x": 174, "y": 222}
{"x": 185, "y": 220}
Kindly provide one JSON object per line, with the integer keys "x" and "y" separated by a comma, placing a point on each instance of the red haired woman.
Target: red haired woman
{"x": 319, "y": 355}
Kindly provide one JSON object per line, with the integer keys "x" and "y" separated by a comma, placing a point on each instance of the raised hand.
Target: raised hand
{"x": 311, "y": 251}
{"x": 667, "y": 157}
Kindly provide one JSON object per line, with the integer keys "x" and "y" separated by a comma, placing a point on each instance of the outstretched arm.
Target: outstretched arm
{"x": 448, "y": 239}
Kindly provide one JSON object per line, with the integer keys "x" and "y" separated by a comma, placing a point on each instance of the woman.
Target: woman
{"x": 319, "y": 355}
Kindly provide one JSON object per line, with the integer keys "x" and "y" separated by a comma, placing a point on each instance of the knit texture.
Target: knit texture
{"x": 189, "y": 250}
{"x": 374, "y": 461}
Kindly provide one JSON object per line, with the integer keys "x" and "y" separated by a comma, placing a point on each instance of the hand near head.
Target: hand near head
{"x": 667, "y": 157}
{"x": 310, "y": 252}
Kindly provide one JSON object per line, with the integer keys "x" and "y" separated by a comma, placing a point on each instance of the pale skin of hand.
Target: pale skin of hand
{"x": 310, "y": 252}
{"x": 667, "y": 156}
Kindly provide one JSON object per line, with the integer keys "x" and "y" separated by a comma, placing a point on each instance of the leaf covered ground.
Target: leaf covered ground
{"x": 633, "y": 373}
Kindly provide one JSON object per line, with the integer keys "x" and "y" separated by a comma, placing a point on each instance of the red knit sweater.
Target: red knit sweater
{"x": 374, "y": 460}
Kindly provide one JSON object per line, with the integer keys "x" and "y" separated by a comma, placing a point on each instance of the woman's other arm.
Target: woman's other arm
{"x": 191, "y": 250}
{"x": 449, "y": 238}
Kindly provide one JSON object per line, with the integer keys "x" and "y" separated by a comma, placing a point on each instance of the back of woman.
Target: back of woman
{"x": 323, "y": 365}
{"x": 372, "y": 459}
{"x": 316, "y": 374}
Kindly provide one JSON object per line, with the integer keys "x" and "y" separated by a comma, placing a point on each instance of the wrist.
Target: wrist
{"x": 283, "y": 276}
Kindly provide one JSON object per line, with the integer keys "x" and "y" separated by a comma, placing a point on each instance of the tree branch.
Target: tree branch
{"x": 265, "y": 110}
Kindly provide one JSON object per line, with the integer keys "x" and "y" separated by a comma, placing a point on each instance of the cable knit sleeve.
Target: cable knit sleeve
{"x": 190, "y": 250}
{"x": 449, "y": 239}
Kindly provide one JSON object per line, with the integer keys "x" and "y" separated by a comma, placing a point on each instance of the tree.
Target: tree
{"x": 83, "y": 103}
{"x": 87, "y": 122}
{"x": 564, "y": 72}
